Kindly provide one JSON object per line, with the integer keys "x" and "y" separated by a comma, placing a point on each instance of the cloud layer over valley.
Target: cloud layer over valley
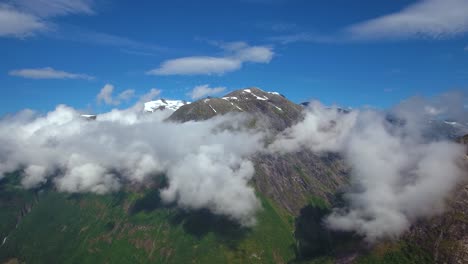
{"x": 399, "y": 173}
{"x": 206, "y": 164}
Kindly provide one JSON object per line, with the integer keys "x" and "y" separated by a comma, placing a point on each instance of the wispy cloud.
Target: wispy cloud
{"x": 90, "y": 37}
{"x": 429, "y": 18}
{"x": 205, "y": 90}
{"x": 276, "y": 26}
{"x": 23, "y": 18}
{"x": 15, "y": 23}
{"x": 237, "y": 53}
{"x": 48, "y": 8}
{"x": 305, "y": 37}
{"x": 48, "y": 73}
{"x": 106, "y": 95}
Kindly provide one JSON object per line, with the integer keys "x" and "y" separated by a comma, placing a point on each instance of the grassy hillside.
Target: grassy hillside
{"x": 136, "y": 227}
{"x": 132, "y": 227}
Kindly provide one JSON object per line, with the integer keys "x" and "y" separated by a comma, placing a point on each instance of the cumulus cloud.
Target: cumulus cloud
{"x": 426, "y": 18}
{"x": 24, "y": 18}
{"x": 205, "y": 90}
{"x": 48, "y": 73}
{"x": 398, "y": 175}
{"x": 206, "y": 168}
{"x": 106, "y": 95}
{"x": 237, "y": 53}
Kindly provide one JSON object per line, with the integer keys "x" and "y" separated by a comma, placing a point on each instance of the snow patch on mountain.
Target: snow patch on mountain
{"x": 162, "y": 104}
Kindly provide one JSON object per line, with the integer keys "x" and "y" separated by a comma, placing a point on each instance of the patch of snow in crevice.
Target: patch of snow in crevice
{"x": 212, "y": 109}
{"x": 275, "y": 93}
{"x": 276, "y": 107}
{"x": 256, "y": 96}
{"x": 237, "y": 106}
{"x": 260, "y": 98}
{"x": 229, "y": 98}
{"x": 4, "y": 241}
{"x": 451, "y": 123}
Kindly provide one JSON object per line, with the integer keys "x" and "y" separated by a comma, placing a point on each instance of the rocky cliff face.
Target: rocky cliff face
{"x": 295, "y": 179}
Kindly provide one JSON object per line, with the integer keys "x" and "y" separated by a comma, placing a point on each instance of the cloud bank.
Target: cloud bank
{"x": 398, "y": 174}
{"x": 48, "y": 73}
{"x": 237, "y": 53}
{"x": 206, "y": 164}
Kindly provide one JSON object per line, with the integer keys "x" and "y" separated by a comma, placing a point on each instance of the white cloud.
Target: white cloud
{"x": 236, "y": 54}
{"x": 428, "y": 18}
{"x": 255, "y": 54}
{"x": 22, "y": 18}
{"x": 205, "y": 90}
{"x": 47, "y": 8}
{"x": 206, "y": 168}
{"x": 126, "y": 95}
{"x": 48, "y": 73}
{"x": 19, "y": 24}
{"x": 197, "y": 65}
{"x": 398, "y": 173}
{"x": 150, "y": 95}
{"x": 105, "y": 95}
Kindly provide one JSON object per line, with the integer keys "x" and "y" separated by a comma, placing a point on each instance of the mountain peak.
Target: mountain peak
{"x": 277, "y": 109}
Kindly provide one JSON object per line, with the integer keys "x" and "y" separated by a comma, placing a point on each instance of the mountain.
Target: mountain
{"x": 292, "y": 180}
{"x": 162, "y": 104}
{"x": 278, "y": 110}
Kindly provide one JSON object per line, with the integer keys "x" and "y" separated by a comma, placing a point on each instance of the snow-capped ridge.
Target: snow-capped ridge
{"x": 162, "y": 104}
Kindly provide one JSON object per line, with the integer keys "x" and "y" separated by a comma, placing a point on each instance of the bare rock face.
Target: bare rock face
{"x": 294, "y": 179}
{"x": 291, "y": 180}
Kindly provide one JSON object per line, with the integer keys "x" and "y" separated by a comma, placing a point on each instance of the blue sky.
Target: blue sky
{"x": 353, "y": 54}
